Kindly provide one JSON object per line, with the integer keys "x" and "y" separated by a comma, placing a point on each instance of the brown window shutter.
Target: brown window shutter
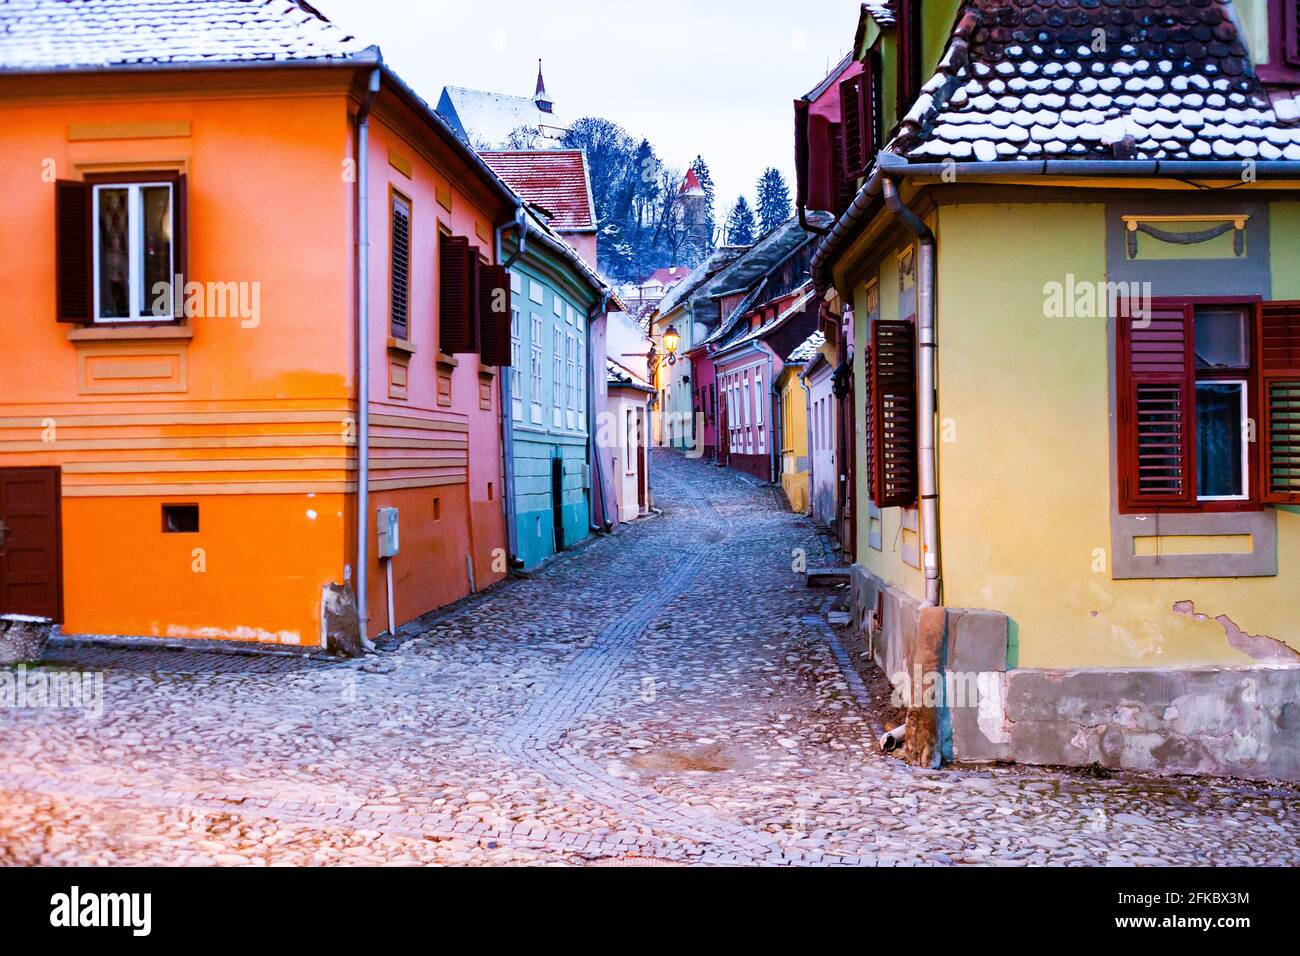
{"x": 400, "y": 270}
{"x": 908, "y": 17}
{"x": 494, "y": 316}
{"x": 1157, "y": 408}
{"x": 893, "y": 413}
{"x": 852, "y": 128}
{"x": 454, "y": 313}
{"x": 869, "y": 425}
{"x": 73, "y": 255}
{"x": 181, "y": 232}
{"x": 474, "y": 270}
{"x": 1279, "y": 339}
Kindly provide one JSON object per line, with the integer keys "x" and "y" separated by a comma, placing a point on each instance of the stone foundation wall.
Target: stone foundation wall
{"x": 1223, "y": 721}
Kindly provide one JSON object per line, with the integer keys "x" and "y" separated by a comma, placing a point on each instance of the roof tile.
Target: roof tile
{"x": 1097, "y": 79}
{"x": 40, "y": 35}
{"x": 555, "y": 179}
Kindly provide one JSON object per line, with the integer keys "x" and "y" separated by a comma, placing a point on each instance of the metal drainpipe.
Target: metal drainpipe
{"x": 778, "y": 458}
{"x": 507, "y": 400}
{"x": 808, "y": 425}
{"x": 363, "y": 349}
{"x": 592, "y": 445}
{"x": 926, "y": 401}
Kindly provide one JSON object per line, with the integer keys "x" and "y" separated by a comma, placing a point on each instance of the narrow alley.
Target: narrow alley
{"x": 668, "y": 694}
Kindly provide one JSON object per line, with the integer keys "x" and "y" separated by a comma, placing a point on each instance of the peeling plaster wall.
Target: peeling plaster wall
{"x": 1222, "y": 721}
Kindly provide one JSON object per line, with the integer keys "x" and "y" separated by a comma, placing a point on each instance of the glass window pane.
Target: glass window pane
{"x": 114, "y": 255}
{"x": 1219, "y": 436}
{"x": 1221, "y": 338}
{"x": 156, "y": 249}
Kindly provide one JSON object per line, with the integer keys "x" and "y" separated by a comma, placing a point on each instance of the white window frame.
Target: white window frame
{"x": 557, "y": 386}
{"x": 516, "y": 370}
{"x": 1245, "y": 445}
{"x": 135, "y": 255}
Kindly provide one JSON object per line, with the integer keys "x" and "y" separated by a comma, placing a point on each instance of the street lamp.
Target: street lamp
{"x": 672, "y": 339}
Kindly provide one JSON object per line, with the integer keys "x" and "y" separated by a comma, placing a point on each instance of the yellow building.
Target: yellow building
{"x": 1077, "y": 376}
{"x": 796, "y": 462}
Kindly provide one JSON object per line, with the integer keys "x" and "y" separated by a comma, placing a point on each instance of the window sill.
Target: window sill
{"x": 447, "y": 361}
{"x": 487, "y": 371}
{"x": 131, "y": 333}
{"x": 401, "y": 345}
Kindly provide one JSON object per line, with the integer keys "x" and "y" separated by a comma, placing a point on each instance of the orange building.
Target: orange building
{"x": 183, "y": 459}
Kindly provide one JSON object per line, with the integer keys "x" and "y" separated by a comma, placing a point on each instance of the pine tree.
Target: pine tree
{"x": 773, "y": 200}
{"x": 740, "y": 227}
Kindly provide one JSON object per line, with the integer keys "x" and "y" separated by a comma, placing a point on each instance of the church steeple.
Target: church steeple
{"x": 541, "y": 97}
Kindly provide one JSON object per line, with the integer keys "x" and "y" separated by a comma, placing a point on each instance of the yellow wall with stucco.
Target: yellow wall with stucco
{"x": 888, "y": 562}
{"x": 794, "y": 439}
{"x": 1024, "y": 483}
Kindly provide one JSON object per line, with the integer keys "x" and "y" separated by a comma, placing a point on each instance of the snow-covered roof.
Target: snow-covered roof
{"x": 487, "y": 119}
{"x": 802, "y": 296}
{"x": 720, "y": 258}
{"x": 37, "y": 35}
{"x": 620, "y": 374}
{"x": 1023, "y": 81}
{"x": 882, "y": 11}
{"x": 556, "y": 179}
{"x": 808, "y": 349}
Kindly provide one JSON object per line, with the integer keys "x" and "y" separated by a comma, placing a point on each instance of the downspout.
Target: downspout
{"x": 507, "y": 400}
{"x": 521, "y": 223}
{"x": 363, "y": 349}
{"x": 808, "y": 424}
{"x": 925, "y": 382}
{"x": 593, "y": 446}
{"x": 776, "y": 458}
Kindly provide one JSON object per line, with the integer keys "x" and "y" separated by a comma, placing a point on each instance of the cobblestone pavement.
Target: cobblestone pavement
{"x": 669, "y": 694}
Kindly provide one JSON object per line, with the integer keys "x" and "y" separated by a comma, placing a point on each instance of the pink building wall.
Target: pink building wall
{"x": 704, "y": 387}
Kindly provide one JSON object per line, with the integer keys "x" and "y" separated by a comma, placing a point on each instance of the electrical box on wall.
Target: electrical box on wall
{"x": 387, "y": 527}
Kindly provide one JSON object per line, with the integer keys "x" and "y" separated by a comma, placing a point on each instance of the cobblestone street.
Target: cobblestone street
{"x": 669, "y": 694}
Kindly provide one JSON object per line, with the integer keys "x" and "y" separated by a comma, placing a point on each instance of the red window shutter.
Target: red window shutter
{"x": 494, "y": 316}
{"x": 801, "y": 154}
{"x": 1291, "y": 31}
{"x": 1279, "y": 338}
{"x": 1157, "y": 408}
{"x": 908, "y": 16}
{"x": 454, "y": 306}
{"x": 894, "y": 418}
{"x": 872, "y": 111}
{"x": 823, "y": 165}
{"x": 843, "y": 188}
{"x": 852, "y": 128}
{"x": 869, "y": 426}
{"x": 73, "y": 256}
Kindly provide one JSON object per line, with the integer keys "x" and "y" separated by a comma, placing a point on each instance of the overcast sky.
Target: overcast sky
{"x": 714, "y": 77}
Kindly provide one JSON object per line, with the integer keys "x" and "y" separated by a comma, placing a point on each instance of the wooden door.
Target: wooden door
{"x": 642, "y": 465}
{"x": 557, "y": 500}
{"x": 31, "y": 543}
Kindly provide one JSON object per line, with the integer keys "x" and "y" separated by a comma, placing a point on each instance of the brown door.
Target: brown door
{"x": 641, "y": 463}
{"x": 31, "y": 549}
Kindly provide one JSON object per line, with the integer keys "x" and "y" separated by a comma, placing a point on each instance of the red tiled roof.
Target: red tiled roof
{"x": 555, "y": 179}
{"x": 668, "y": 276}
